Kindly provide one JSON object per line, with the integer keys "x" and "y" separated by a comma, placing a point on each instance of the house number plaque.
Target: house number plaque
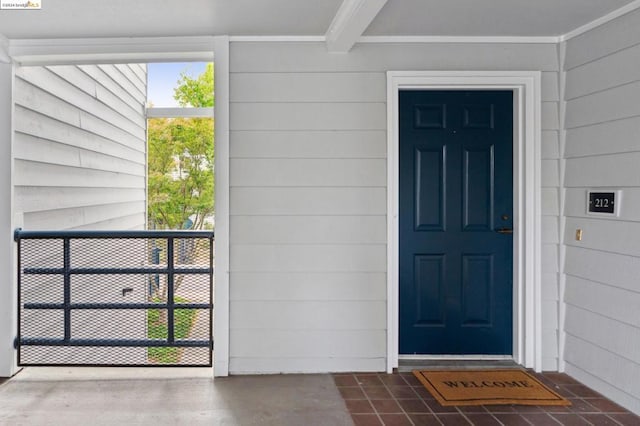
{"x": 602, "y": 202}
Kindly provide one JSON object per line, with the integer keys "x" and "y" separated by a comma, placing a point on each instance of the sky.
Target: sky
{"x": 162, "y": 78}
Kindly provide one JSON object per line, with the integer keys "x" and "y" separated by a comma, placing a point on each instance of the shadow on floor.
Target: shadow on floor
{"x": 164, "y": 397}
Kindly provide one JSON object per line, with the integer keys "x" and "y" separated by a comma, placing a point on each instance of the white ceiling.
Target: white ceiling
{"x": 488, "y": 17}
{"x": 156, "y": 18}
{"x": 153, "y": 18}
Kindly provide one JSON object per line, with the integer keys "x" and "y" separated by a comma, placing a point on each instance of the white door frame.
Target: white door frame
{"x": 526, "y": 87}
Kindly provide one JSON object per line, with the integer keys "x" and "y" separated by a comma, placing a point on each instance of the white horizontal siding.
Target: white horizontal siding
{"x": 308, "y": 116}
{"x": 308, "y": 172}
{"x": 605, "y": 333}
{"x": 617, "y": 304}
{"x": 612, "y": 269}
{"x": 550, "y": 87}
{"x": 120, "y": 222}
{"x": 308, "y": 315}
{"x": 132, "y": 87}
{"x": 36, "y": 99}
{"x": 550, "y": 145}
{"x": 35, "y": 124}
{"x": 33, "y": 173}
{"x": 549, "y": 258}
{"x": 550, "y": 201}
{"x": 603, "y": 138}
{"x": 602, "y": 151}
{"x": 611, "y": 374}
{"x": 550, "y": 286}
{"x": 62, "y": 90}
{"x": 308, "y": 198}
{"x": 69, "y": 218}
{"x": 550, "y": 230}
{"x": 105, "y": 82}
{"x": 550, "y": 117}
{"x": 613, "y": 236}
{"x": 304, "y": 87}
{"x": 309, "y": 144}
{"x": 80, "y": 147}
{"x": 40, "y": 150}
{"x": 550, "y": 174}
{"x": 83, "y": 81}
{"x": 319, "y": 364}
{"x": 604, "y": 73}
{"x": 293, "y": 286}
{"x": 613, "y": 104}
{"x": 259, "y": 343}
{"x": 308, "y": 258}
{"x": 614, "y": 170}
{"x": 33, "y": 198}
{"x": 309, "y": 229}
{"x": 308, "y": 201}
{"x": 604, "y": 40}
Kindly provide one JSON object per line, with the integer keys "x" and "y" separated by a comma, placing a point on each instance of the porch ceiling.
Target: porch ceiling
{"x": 154, "y": 18}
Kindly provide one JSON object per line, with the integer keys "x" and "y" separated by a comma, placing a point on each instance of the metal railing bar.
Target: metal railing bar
{"x": 20, "y": 234}
{"x": 67, "y": 287}
{"x": 114, "y": 343}
{"x": 170, "y": 291}
{"x": 19, "y": 300}
{"x": 53, "y": 306}
{"x": 113, "y": 271}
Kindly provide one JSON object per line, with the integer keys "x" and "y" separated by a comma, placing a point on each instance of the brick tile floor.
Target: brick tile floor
{"x": 400, "y": 399}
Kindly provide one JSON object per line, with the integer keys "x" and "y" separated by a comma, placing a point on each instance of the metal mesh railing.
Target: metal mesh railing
{"x": 130, "y": 298}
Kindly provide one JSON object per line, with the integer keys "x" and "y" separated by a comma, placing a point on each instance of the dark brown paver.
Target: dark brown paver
{"x": 400, "y": 399}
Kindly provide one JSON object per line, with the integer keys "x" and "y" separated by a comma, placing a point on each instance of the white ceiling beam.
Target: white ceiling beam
{"x": 351, "y": 20}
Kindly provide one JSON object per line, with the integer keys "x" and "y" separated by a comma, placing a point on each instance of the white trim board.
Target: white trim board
{"x": 526, "y": 86}
{"x": 111, "y": 50}
{"x": 461, "y": 39}
{"x": 221, "y": 320}
{"x": 186, "y": 112}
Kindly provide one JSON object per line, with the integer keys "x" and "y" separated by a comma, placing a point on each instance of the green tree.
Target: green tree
{"x": 195, "y": 92}
{"x": 180, "y": 188}
{"x": 181, "y": 158}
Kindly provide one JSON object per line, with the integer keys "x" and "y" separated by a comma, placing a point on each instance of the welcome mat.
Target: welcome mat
{"x": 487, "y": 387}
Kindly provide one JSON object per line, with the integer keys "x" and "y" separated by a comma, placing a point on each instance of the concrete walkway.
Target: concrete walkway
{"x": 167, "y": 396}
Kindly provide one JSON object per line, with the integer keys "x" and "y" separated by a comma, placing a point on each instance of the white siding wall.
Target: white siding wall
{"x": 80, "y": 146}
{"x": 308, "y": 197}
{"x": 603, "y": 150}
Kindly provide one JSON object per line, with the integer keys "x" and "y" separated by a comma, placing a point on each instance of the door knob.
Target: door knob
{"x": 504, "y": 231}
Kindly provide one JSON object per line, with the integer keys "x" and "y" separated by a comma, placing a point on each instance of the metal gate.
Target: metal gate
{"x": 115, "y": 298}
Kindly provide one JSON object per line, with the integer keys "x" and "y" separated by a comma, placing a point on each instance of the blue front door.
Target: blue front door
{"x": 456, "y": 208}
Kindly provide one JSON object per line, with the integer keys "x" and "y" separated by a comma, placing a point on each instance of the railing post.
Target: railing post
{"x": 67, "y": 288}
{"x": 154, "y": 283}
{"x": 170, "y": 290}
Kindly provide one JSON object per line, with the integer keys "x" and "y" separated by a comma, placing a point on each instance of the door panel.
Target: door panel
{"x": 430, "y": 303}
{"x": 456, "y": 191}
{"x": 430, "y": 188}
{"x": 477, "y": 192}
